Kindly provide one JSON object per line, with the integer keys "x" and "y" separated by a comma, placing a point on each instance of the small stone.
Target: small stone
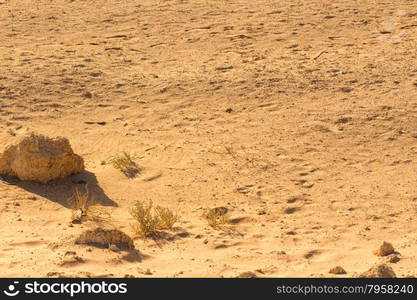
{"x": 218, "y": 211}
{"x": 337, "y": 270}
{"x": 290, "y": 210}
{"x": 385, "y": 249}
{"x": 148, "y": 272}
{"x": 248, "y": 274}
{"x": 262, "y": 212}
{"x": 88, "y": 95}
{"x": 114, "y": 248}
{"x": 393, "y": 259}
{"x": 346, "y": 89}
{"x": 75, "y": 221}
{"x": 71, "y": 260}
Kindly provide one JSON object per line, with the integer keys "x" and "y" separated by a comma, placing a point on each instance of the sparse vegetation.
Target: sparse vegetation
{"x": 217, "y": 216}
{"x": 146, "y": 222}
{"x": 167, "y": 218}
{"x": 125, "y": 163}
{"x": 80, "y": 203}
{"x": 83, "y": 208}
{"x": 150, "y": 220}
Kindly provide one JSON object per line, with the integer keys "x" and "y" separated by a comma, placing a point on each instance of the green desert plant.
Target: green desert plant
{"x": 150, "y": 220}
{"x": 125, "y": 163}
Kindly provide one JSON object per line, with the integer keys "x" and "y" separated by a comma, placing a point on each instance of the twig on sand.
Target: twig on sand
{"x": 319, "y": 54}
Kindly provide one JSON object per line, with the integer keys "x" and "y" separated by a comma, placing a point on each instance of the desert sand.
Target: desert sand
{"x": 298, "y": 116}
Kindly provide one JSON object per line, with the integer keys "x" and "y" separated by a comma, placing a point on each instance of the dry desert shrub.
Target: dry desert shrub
{"x": 150, "y": 220}
{"x": 146, "y": 222}
{"x": 217, "y": 216}
{"x": 167, "y": 218}
{"x": 125, "y": 163}
{"x": 83, "y": 209}
{"x": 80, "y": 203}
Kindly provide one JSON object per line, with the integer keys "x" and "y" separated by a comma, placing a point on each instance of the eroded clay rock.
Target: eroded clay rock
{"x": 40, "y": 158}
{"x": 379, "y": 271}
{"x": 385, "y": 249}
{"x": 105, "y": 238}
{"x": 338, "y": 270}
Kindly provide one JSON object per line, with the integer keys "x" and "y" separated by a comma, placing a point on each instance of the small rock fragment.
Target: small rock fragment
{"x": 147, "y": 272}
{"x": 219, "y": 211}
{"x": 248, "y": 274}
{"x": 71, "y": 260}
{"x": 337, "y": 270}
{"x": 88, "y": 95}
{"x": 393, "y": 259}
{"x": 114, "y": 248}
{"x": 385, "y": 249}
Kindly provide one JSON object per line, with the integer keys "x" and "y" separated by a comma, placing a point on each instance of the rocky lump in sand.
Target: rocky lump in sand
{"x": 41, "y": 159}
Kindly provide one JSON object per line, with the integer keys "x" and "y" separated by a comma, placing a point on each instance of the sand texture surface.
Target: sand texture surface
{"x": 299, "y": 117}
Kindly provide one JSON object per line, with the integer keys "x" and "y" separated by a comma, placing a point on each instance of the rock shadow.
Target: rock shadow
{"x": 61, "y": 190}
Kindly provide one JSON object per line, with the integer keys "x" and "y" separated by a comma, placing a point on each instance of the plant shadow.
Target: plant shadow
{"x": 161, "y": 237}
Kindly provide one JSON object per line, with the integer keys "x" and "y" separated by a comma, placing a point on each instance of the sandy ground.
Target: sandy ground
{"x": 299, "y": 116}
